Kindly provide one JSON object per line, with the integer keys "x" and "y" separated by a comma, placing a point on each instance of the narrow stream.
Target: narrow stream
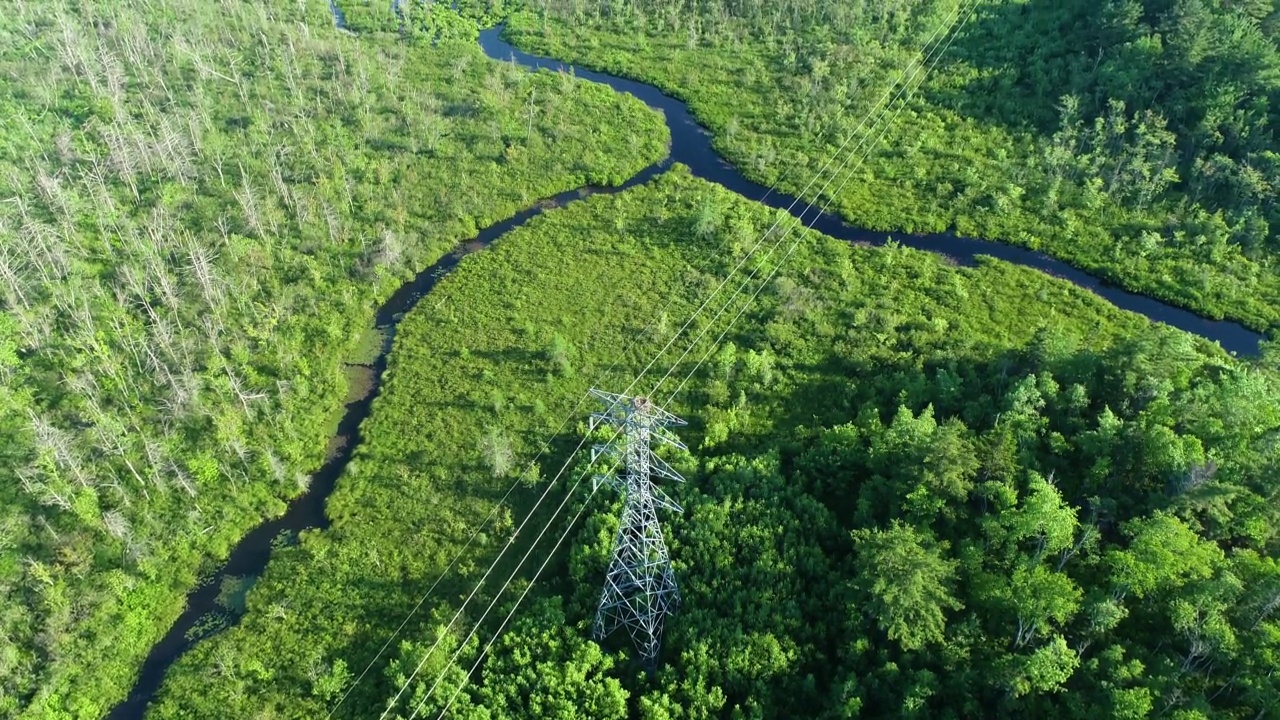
{"x": 690, "y": 145}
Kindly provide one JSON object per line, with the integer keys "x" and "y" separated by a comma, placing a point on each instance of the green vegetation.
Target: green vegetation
{"x": 424, "y": 21}
{"x": 914, "y": 489}
{"x": 904, "y": 498}
{"x": 1137, "y": 139}
{"x": 200, "y": 206}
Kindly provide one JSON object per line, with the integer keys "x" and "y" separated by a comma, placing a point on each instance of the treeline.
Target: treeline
{"x": 427, "y": 21}
{"x": 1199, "y": 79}
{"x": 720, "y": 20}
{"x": 904, "y": 497}
{"x": 202, "y": 205}
{"x": 1136, "y": 140}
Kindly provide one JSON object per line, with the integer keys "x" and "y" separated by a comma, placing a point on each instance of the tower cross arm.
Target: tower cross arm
{"x": 659, "y": 467}
{"x": 662, "y": 500}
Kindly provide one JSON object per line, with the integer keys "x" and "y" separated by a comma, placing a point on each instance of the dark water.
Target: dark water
{"x": 690, "y": 145}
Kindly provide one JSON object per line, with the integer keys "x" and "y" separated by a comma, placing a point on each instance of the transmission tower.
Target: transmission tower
{"x": 640, "y": 588}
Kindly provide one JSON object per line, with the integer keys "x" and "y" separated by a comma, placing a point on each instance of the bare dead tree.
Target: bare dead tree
{"x": 158, "y": 276}
{"x": 213, "y": 332}
{"x": 196, "y": 123}
{"x": 279, "y": 470}
{"x": 202, "y": 65}
{"x": 156, "y": 459}
{"x": 71, "y": 52}
{"x": 121, "y": 155}
{"x": 11, "y": 265}
{"x": 50, "y": 189}
{"x": 289, "y": 60}
{"x": 32, "y": 483}
{"x": 46, "y": 249}
{"x": 181, "y": 477}
{"x": 277, "y": 178}
{"x": 331, "y": 222}
{"x": 224, "y": 229}
{"x": 85, "y": 324}
{"x": 185, "y": 394}
{"x": 64, "y": 148}
{"x": 249, "y": 204}
{"x": 1197, "y": 655}
{"x": 241, "y": 451}
{"x": 124, "y": 336}
{"x": 217, "y": 165}
{"x": 114, "y": 76}
{"x": 60, "y": 445}
{"x": 115, "y": 524}
{"x": 201, "y": 268}
{"x": 113, "y": 483}
{"x": 1089, "y": 533}
{"x": 131, "y": 283}
{"x": 95, "y": 178}
{"x": 244, "y": 396}
{"x": 175, "y": 152}
{"x": 389, "y": 250}
{"x": 35, "y": 324}
{"x": 1196, "y": 476}
{"x": 302, "y": 204}
{"x": 111, "y": 439}
{"x": 1269, "y": 604}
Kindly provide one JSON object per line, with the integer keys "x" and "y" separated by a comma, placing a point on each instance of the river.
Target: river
{"x": 691, "y": 146}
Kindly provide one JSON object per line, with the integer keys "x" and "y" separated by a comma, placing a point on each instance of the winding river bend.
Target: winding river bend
{"x": 690, "y": 145}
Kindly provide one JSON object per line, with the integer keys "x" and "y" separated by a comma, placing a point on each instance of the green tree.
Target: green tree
{"x": 904, "y": 584}
{"x": 549, "y": 669}
{"x": 1163, "y": 554}
{"x": 559, "y": 355}
{"x": 1044, "y": 670}
{"x": 1040, "y": 598}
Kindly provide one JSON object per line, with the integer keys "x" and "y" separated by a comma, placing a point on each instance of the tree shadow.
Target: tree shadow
{"x": 385, "y": 594}
{"x": 980, "y": 388}
{"x": 522, "y": 362}
{"x": 1027, "y": 56}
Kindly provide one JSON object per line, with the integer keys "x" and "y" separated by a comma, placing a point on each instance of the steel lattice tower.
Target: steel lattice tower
{"x": 640, "y": 588}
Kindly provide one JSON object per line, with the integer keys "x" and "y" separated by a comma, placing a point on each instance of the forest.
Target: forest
{"x": 904, "y": 498}
{"x": 201, "y": 204}
{"x": 1137, "y": 139}
{"x": 914, "y": 489}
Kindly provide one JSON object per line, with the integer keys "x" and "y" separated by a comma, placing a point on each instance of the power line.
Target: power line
{"x": 791, "y": 249}
{"x": 476, "y": 533}
{"x": 519, "y": 600}
{"x": 492, "y": 513}
{"x": 479, "y": 584}
{"x": 796, "y": 242}
{"x": 697, "y": 312}
{"x": 514, "y": 572}
{"x": 925, "y": 59}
